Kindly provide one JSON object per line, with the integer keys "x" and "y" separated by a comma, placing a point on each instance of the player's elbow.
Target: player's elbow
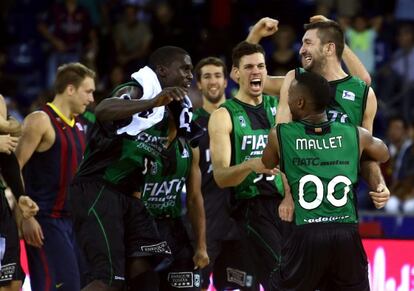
{"x": 219, "y": 180}
{"x": 385, "y": 155}
{"x": 366, "y": 78}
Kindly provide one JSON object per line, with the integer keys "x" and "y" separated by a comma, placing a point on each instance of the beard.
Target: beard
{"x": 317, "y": 63}
{"x": 214, "y": 98}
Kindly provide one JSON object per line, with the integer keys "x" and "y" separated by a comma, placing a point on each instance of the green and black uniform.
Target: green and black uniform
{"x": 161, "y": 194}
{"x": 110, "y": 223}
{"x": 349, "y": 99}
{"x": 258, "y": 196}
{"x": 224, "y": 247}
{"x": 10, "y": 268}
{"x": 321, "y": 163}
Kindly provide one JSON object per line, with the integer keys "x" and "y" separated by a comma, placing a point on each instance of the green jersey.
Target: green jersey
{"x": 349, "y": 98}
{"x": 251, "y": 126}
{"x": 161, "y": 192}
{"x": 119, "y": 159}
{"x": 321, "y": 163}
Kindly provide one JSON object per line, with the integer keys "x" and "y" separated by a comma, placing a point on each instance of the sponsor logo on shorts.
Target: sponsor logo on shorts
{"x": 7, "y": 271}
{"x": 159, "y": 248}
{"x": 239, "y": 277}
{"x": 120, "y": 278}
{"x": 184, "y": 279}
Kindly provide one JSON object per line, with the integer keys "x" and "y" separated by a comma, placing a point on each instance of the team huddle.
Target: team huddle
{"x": 269, "y": 178}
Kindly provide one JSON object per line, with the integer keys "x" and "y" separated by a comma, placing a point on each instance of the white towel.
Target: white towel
{"x": 147, "y": 78}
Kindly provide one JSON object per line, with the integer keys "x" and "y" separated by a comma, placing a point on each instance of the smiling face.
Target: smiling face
{"x": 178, "y": 73}
{"x": 212, "y": 83}
{"x": 251, "y": 74}
{"x": 311, "y": 51}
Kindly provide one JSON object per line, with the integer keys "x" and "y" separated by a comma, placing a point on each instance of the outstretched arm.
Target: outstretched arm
{"x": 195, "y": 206}
{"x": 126, "y": 102}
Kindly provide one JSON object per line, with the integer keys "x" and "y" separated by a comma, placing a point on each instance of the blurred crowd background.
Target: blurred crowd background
{"x": 115, "y": 37}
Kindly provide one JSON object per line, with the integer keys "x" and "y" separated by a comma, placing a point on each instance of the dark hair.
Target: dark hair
{"x": 329, "y": 31}
{"x": 316, "y": 87}
{"x": 245, "y": 48}
{"x": 209, "y": 61}
{"x": 398, "y": 118}
{"x": 164, "y": 56}
{"x": 71, "y": 74}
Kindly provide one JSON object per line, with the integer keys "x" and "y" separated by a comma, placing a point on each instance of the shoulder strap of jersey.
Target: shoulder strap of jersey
{"x": 130, "y": 83}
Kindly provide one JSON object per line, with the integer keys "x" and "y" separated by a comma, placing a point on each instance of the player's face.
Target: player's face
{"x": 179, "y": 72}
{"x": 252, "y": 74}
{"x": 212, "y": 83}
{"x": 311, "y": 51}
{"x": 83, "y": 95}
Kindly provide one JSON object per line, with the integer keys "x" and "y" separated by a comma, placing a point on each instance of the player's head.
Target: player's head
{"x": 309, "y": 93}
{"x": 250, "y": 68}
{"x": 321, "y": 41}
{"x": 173, "y": 66}
{"x": 75, "y": 82}
{"x": 211, "y": 78}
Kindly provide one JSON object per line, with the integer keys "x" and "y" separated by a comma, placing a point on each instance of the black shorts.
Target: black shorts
{"x": 230, "y": 266}
{"x": 9, "y": 246}
{"x": 110, "y": 228}
{"x": 263, "y": 230}
{"x": 177, "y": 272}
{"x": 325, "y": 257}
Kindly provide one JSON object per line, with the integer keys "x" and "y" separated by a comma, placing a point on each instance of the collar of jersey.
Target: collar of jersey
{"x": 249, "y": 105}
{"x": 70, "y": 122}
{"x": 322, "y": 124}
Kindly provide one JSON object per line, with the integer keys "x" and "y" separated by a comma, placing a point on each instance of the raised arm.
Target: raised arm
{"x": 220, "y": 128}
{"x": 126, "y": 102}
{"x": 370, "y": 111}
{"x": 266, "y": 26}
{"x": 263, "y": 28}
{"x": 283, "y": 112}
{"x": 195, "y": 206}
{"x": 355, "y": 66}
